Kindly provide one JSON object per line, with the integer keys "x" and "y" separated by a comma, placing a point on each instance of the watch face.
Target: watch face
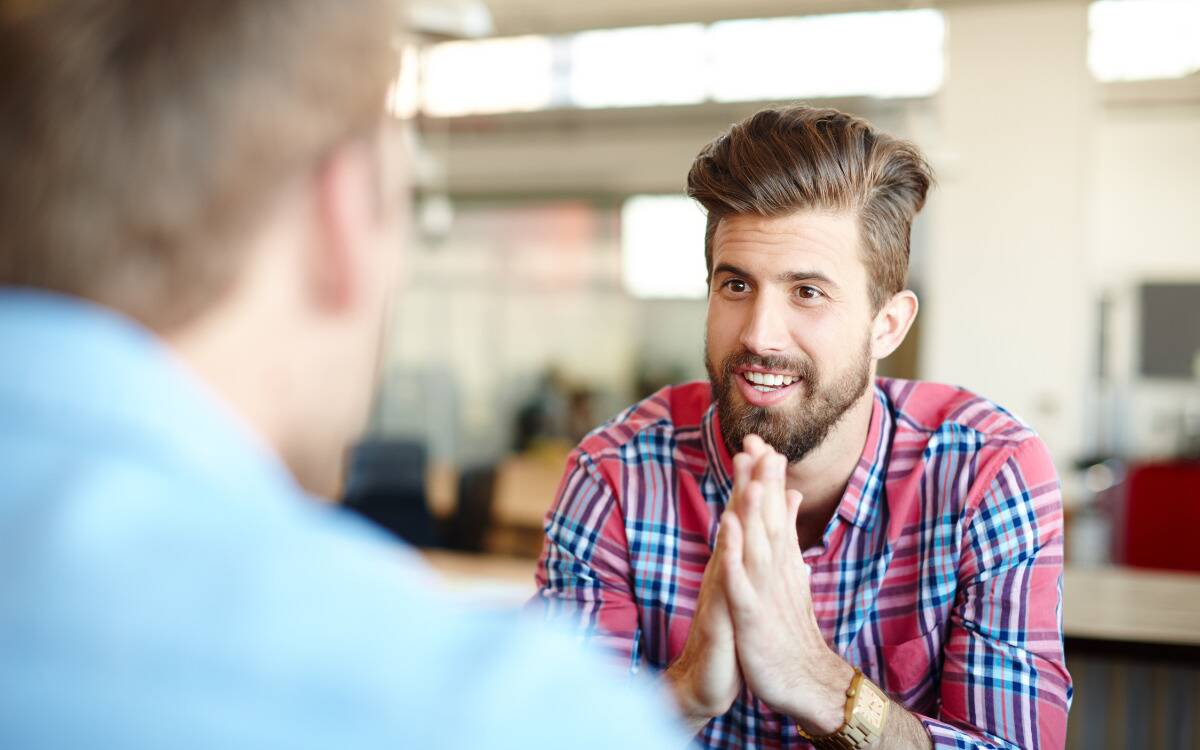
{"x": 871, "y": 707}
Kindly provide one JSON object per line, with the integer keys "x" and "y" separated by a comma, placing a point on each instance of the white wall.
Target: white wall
{"x": 1144, "y": 226}
{"x": 1145, "y": 216}
{"x": 1005, "y": 310}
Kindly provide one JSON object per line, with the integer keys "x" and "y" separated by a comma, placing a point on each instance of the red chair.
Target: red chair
{"x": 1159, "y": 524}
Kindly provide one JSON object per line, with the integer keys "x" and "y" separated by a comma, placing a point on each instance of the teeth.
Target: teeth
{"x": 769, "y": 379}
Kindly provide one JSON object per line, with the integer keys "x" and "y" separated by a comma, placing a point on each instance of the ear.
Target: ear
{"x": 344, "y": 214}
{"x": 892, "y": 322}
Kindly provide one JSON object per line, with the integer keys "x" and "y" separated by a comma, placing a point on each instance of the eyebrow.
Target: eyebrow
{"x": 787, "y": 277}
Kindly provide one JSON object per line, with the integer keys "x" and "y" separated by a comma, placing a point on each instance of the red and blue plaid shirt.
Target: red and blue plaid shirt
{"x": 939, "y": 575}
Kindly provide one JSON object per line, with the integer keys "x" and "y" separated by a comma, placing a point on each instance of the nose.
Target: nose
{"x": 766, "y": 331}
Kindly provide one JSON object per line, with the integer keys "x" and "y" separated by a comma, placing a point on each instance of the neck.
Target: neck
{"x": 214, "y": 351}
{"x": 822, "y": 475}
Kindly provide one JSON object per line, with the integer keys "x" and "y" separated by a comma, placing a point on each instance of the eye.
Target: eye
{"x": 809, "y": 293}
{"x": 737, "y": 286}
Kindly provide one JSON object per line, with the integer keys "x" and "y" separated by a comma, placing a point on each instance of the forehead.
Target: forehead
{"x": 806, "y": 240}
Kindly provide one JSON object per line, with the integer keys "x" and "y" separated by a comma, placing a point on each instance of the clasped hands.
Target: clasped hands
{"x": 754, "y": 619}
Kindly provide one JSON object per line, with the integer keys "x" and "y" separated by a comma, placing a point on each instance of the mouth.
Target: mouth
{"x": 764, "y": 387}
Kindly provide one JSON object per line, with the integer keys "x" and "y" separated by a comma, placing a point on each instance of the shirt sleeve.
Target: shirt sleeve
{"x": 1004, "y": 679}
{"x": 583, "y": 575}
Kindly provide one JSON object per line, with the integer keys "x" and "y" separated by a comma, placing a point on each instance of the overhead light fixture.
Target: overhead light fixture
{"x": 449, "y": 19}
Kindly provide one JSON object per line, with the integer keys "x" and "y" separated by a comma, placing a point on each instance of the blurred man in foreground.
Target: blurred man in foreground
{"x": 200, "y": 236}
{"x": 809, "y": 553}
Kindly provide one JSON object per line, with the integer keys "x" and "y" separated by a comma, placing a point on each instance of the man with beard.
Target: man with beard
{"x": 809, "y": 554}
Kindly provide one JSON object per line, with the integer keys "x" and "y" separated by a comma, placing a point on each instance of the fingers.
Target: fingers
{"x": 755, "y": 446}
{"x": 758, "y": 550}
{"x": 739, "y": 592}
{"x": 766, "y": 513}
{"x": 770, "y": 469}
{"x": 774, "y": 478}
{"x": 743, "y": 468}
{"x": 794, "y": 500}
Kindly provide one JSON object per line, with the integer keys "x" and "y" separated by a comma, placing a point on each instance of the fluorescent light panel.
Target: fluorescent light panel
{"x": 1134, "y": 40}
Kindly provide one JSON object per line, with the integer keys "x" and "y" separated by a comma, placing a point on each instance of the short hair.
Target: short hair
{"x": 141, "y": 139}
{"x": 795, "y": 158}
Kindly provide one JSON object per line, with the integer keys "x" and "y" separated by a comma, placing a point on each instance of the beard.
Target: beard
{"x": 798, "y": 426}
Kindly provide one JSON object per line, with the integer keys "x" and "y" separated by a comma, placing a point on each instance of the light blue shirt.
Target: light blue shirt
{"x": 165, "y": 584}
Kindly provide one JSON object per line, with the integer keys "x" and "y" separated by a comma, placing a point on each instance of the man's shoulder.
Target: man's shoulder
{"x": 940, "y": 410}
{"x": 225, "y": 605}
{"x": 964, "y": 438}
{"x": 670, "y": 414}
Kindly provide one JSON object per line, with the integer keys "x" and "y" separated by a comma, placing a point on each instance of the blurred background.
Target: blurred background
{"x": 556, "y": 272}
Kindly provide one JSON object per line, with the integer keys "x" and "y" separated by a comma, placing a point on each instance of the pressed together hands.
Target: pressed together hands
{"x": 754, "y": 620}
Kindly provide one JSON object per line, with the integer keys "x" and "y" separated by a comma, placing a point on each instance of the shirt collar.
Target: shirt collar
{"x": 860, "y": 502}
{"x": 715, "y": 451}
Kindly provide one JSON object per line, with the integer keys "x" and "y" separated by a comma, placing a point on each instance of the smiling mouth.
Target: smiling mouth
{"x": 768, "y": 382}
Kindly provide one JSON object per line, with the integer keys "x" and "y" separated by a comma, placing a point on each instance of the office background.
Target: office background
{"x": 556, "y": 272}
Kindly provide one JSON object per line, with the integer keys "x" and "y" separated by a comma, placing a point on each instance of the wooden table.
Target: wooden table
{"x": 526, "y": 486}
{"x": 525, "y": 490}
{"x": 1134, "y": 612}
{"x": 1122, "y": 607}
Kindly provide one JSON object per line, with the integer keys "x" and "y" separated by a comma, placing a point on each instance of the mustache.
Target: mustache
{"x": 802, "y": 367}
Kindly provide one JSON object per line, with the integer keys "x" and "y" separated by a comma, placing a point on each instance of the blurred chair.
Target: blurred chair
{"x": 386, "y": 484}
{"x": 1157, "y": 525}
{"x": 467, "y": 527}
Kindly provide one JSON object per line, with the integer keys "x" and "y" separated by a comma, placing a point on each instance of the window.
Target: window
{"x": 638, "y": 67}
{"x": 1143, "y": 39}
{"x": 662, "y": 247}
{"x": 881, "y": 54}
{"x": 890, "y": 54}
{"x": 492, "y": 75}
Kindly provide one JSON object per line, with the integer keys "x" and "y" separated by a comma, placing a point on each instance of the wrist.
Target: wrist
{"x": 695, "y": 707}
{"x": 824, "y": 710}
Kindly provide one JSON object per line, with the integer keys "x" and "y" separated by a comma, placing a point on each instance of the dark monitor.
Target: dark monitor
{"x": 1170, "y": 330}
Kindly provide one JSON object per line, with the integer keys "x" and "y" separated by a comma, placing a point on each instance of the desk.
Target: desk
{"x": 525, "y": 489}
{"x": 1132, "y": 612}
{"x": 1119, "y": 606}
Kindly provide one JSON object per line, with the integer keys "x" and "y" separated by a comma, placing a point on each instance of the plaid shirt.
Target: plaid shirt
{"x": 939, "y": 575}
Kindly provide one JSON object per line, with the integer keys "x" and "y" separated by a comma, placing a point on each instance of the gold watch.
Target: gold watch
{"x": 866, "y": 713}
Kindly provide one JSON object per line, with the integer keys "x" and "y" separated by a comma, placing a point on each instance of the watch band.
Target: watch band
{"x": 866, "y": 714}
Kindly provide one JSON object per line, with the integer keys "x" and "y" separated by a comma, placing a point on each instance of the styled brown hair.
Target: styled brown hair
{"x": 140, "y": 139}
{"x": 783, "y": 160}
